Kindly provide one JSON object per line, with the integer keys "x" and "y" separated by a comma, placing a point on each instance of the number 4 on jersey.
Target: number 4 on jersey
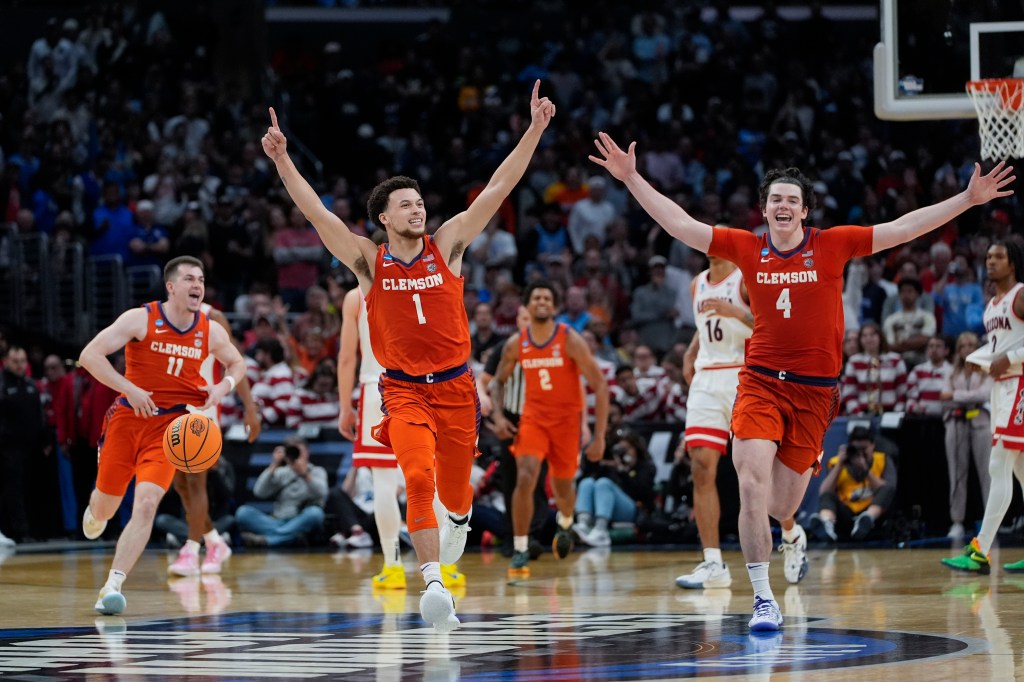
{"x": 783, "y": 303}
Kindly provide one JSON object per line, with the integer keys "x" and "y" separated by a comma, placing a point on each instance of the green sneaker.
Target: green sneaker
{"x": 973, "y": 560}
{"x": 1016, "y": 567}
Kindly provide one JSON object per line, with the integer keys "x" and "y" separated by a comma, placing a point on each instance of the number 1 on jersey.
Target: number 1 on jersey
{"x": 419, "y": 309}
{"x": 783, "y": 303}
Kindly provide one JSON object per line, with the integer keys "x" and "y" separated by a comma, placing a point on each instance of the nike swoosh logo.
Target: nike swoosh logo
{"x": 419, "y": 519}
{"x": 765, "y": 260}
{"x": 162, "y": 331}
{"x": 388, "y": 264}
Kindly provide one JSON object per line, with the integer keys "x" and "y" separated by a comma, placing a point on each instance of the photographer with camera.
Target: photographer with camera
{"x": 612, "y": 489}
{"x": 298, "y": 489}
{"x": 857, "y": 491}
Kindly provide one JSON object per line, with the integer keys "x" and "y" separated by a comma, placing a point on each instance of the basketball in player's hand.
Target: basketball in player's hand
{"x": 192, "y": 443}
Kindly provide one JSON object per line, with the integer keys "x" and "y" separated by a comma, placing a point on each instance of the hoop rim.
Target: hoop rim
{"x": 985, "y": 83}
{"x": 1010, "y": 91}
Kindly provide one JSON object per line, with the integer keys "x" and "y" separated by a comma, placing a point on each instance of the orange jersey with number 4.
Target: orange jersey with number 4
{"x": 167, "y": 360}
{"x": 416, "y": 314}
{"x": 551, "y": 377}
{"x": 796, "y": 296}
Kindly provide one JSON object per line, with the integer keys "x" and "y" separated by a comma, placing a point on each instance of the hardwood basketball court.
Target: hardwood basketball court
{"x": 599, "y": 615}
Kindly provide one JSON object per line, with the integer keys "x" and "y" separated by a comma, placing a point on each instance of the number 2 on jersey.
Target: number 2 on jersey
{"x": 783, "y": 303}
{"x": 419, "y": 309}
{"x": 545, "y": 379}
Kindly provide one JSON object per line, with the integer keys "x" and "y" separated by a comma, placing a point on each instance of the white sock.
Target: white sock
{"x": 601, "y": 523}
{"x": 391, "y": 552}
{"x": 192, "y": 545}
{"x": 1000, "y": 493}
{"x": 713, "y": 554}
{"x": 521, "y": 543}
{"x": 564, "y": 522}
{"x": 792, "y": 534}
{"x": 431, "y": 572}
{"x": 115, "y": 579}
{"x": 212, "y": 537}
{"x": 758, "y": 573}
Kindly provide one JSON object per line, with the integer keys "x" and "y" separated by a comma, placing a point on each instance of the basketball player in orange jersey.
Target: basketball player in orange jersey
{"x": 191, "y": 488}
{"x": 787, "y": 394}
{"x": 420, "y": 334}
{"x": 165, "y": 345}
{"x": 552, "y": 356}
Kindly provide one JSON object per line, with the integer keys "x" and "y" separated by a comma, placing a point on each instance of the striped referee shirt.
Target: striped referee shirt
{"x": 515, "y": 388}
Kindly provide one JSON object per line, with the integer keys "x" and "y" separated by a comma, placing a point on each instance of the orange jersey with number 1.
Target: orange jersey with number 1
{"x": 416, "y": 314}
{"x": 551, "y": 377}
{"x": 167, "y": 360}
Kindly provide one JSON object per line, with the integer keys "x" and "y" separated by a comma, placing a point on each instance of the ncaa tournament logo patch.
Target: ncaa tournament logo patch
{"x": 487, "y": 647}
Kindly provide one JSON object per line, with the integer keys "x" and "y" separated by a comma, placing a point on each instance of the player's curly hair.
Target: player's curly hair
{"x": 381, "y": 195}
{"x": 541, "y": 284}
{"x": 791, "y": 175}
{"x": 1015, "y": 254}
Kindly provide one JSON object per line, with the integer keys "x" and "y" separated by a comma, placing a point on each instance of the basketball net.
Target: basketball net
{"x": 998, "y": 102}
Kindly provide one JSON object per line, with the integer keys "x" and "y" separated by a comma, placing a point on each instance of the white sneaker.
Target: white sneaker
{"x": 795, "y": 556}
{"x": 111, "y": 602}
{"x": 707, "y": 574}
{"x": 597, "y": 537}
{"x": 581, "y": 529}
{"x": 437, "y": 606}
{"x": 453, "y": 539}
{"x": 91, "y": 528}
{"x": 956, "y": 531}
{"x": 361, "y": 540}
{"x": 767, "y": 616}
{"x": 6, "y": 541}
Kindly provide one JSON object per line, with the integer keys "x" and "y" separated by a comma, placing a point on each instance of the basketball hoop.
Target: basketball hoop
{"x": 998, "y": 102}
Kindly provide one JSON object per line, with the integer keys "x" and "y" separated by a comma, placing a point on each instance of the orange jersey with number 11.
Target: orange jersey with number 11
{"x": 416, "y": 314}
{"x": 551, "y": 378}
{"x": 167, "y": 360}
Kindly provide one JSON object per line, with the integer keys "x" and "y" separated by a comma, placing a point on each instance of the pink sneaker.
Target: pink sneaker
{"x": 216, "y": 554}
{"x": 187, "y": 563}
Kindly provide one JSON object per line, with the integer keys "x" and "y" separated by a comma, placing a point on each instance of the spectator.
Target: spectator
{"x": 274, "y": 382}
{"x": 316, "y": 402}
{"x": 638, "y": 403}
{"x": 591, "y": 216}
{"x": 968, "y": 431}
{"x": 654, "y": 308}
{"x": 907, "y": 330}
{"x": 875, "y": 380}
{"x": 297, "y": 253}
{"x": 298, "y": 489}
{"x": 927, "y": 381}
{"x": 320, "y": 314}
{"x": 611, "y": 490}
{"x": 151, "y": 244}
{"x": 575, "y": 314}
{"x": 113, "y": 225}
{"x": 961, "y": 300}
{"x": 23, "y": 434}
{"x": 857, "y": 491}
{"x": 484, "y": 338}
{"x": 351, "y": 505}
{"x": 495, "y": 247}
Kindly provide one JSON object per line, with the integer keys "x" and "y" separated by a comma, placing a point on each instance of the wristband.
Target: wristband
{"x": 231, "y": 382}
{"x": 1015, "y": 356}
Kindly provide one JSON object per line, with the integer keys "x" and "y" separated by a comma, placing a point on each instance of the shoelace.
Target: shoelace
{"x": 763, "y": 607}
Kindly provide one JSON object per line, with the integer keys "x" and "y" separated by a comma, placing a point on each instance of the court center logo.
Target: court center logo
{"x": 522, "y": 648}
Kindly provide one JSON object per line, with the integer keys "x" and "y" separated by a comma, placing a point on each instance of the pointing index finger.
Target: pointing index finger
{"x": 536, "y": 91}
{"x": 273, "y": 119}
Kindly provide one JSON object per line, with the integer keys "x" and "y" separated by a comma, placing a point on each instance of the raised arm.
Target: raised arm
{"x": 357, "y": 253}
{"x": 130, "y": 326}
{"x": 980, "y": 190}
{"x": 667, "y": 213}
{"x": 347, "y": 359}
{"x": 456, "y": 234}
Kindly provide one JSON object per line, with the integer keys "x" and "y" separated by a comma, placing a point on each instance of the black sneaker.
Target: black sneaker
{"x": 563, "y": 543}
{"x": 862, "y": 526}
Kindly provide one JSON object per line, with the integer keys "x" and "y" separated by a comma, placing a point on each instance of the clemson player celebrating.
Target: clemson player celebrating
{"x": 165, "y": 346}
{"x": 788, "y": 393}
{"x": 420, "y": 334}
{"x": 552, "y": 356}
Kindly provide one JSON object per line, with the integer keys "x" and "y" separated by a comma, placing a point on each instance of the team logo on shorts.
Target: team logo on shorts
{"x": 541, "y": 647}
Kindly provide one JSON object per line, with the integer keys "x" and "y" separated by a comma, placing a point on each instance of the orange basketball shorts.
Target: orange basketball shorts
{"x": 132, "y": 446}
{"x": 796, "y": 416}
{"x": 556, "y": 441}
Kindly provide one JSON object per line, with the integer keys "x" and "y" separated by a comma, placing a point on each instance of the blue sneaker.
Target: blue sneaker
{"x": 767, "y": 616}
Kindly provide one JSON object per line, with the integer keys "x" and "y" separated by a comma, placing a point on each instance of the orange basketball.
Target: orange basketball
{"x": 192, "y": 443}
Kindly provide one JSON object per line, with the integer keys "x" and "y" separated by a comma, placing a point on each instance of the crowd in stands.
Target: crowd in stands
{"x": 118, "y": 133}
